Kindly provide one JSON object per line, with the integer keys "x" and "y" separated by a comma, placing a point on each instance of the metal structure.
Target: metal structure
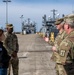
{"x": 22, "y": 22}
{"x": 28, "y": 27}
{"x": 48, "y": 27}
{"x": 22, "y": 18}
{"x": 53, "y": 13}
{"x": 6, "y": 1}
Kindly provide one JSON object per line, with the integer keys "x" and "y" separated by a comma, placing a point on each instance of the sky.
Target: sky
{"x": 33, "y": 9}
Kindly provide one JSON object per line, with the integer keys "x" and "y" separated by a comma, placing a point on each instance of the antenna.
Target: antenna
{"x": 53, "y": 13}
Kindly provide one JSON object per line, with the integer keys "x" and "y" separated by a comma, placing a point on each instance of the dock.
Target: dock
{"x": 35, "y": 56}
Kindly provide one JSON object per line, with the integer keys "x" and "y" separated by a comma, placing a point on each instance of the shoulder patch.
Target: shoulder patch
{"x": 62, "y": 53}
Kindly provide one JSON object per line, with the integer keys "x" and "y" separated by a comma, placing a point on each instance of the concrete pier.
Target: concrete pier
{"x": 34, "y": 56}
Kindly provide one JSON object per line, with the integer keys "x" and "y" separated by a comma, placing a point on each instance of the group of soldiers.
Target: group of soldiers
{"x": 63, "y": 47}
{"x": 12, "y": 47}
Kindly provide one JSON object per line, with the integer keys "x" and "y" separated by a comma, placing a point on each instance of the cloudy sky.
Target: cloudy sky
{"x": 33, "y": 9}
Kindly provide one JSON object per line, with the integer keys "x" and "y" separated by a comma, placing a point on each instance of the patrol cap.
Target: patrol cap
{"x": 9, "y": 26}
{"x": 70, "y": 15}
{"x": 70, "y": 20}
{"x": 65, "y": 17}
{"x": 59, "y": 21}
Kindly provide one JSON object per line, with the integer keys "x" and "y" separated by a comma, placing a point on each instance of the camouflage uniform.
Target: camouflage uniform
{"x": 61, "y": 68}
{"x": 61, "y": 35}
{"x": 57, "y": 42}
{"x": 58, "y": 22}
{"x": 65, "y": 58}
{"x": 11, "y": 44}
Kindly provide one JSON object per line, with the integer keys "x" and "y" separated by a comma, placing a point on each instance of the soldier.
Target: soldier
{"x": 59, "y": 25}
{"x": 61, "y": 35}
{"x": 65, "y": 59}
{"x": 11, "y": 44}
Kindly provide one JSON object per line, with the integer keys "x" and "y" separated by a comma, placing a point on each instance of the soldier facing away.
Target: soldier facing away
{"x": 11, "y": 44}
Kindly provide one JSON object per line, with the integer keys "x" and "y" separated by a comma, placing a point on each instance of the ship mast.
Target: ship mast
{"x": 53, "y": 11}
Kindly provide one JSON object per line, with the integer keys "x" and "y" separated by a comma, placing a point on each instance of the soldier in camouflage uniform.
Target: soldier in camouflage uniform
{"x": 61, "y": 35}
{"x": 65, "y": 57}
{"x": 11, "y": 44}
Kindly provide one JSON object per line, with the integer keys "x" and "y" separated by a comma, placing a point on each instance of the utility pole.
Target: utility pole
{"x": 53, "y": 14}
{"x": 22, "y": 22}
{"x": 21, "y": 18}
{"x": 6, "y": 1}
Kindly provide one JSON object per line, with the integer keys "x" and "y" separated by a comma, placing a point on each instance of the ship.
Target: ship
{"x": 28, "y": 27}
{"x": 48, "y": 28}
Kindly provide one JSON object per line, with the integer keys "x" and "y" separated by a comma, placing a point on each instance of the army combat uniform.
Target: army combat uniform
{"x": 65, "y": 58}
{"x": 61, "y": 35}
{"x": 11, "y": 44}
{"x": 57, "y": 42}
